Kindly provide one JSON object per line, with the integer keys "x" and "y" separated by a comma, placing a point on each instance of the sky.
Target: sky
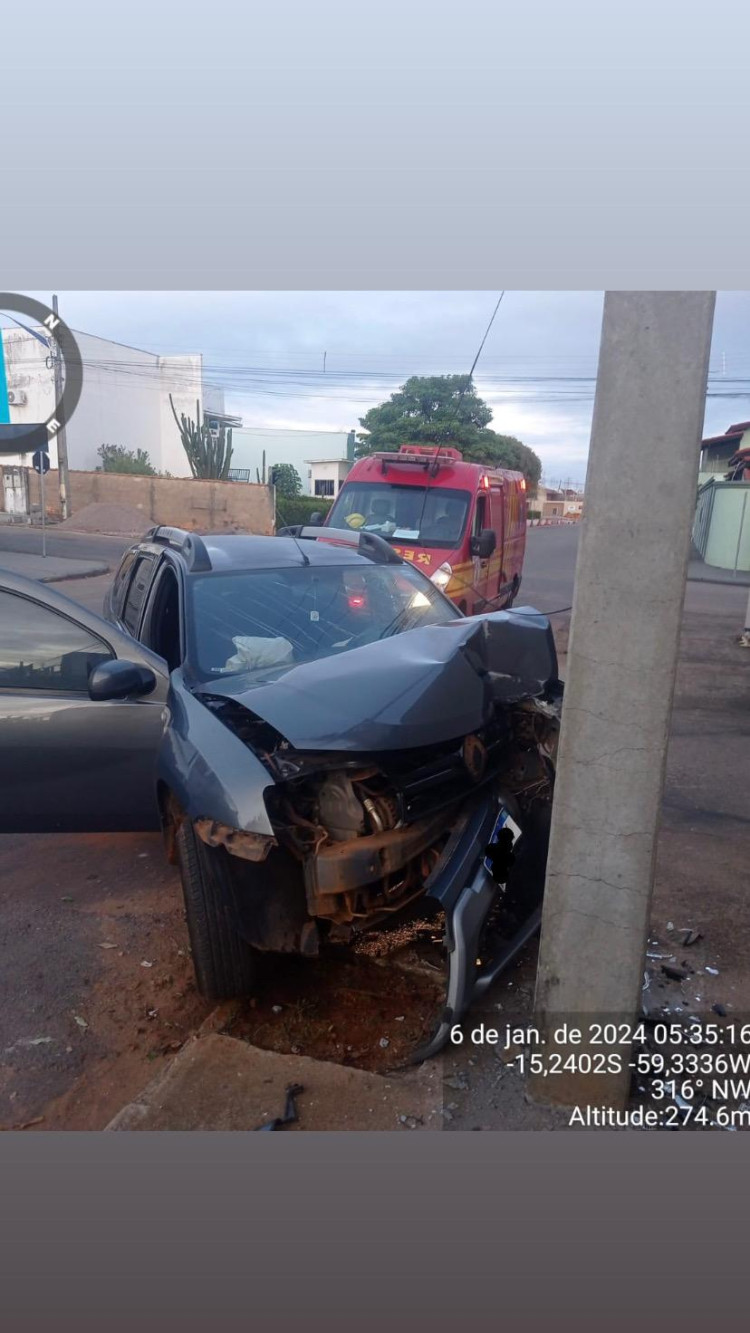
{"x": 319, "y": 360}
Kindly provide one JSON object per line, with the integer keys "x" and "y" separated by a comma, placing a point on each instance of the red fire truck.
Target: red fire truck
{"x": 462, "y": 523}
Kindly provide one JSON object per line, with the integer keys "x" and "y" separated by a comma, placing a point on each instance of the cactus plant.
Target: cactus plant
{"x": 209, "y": 457}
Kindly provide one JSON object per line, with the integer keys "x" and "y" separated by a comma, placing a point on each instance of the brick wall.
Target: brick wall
{"x": 209, "y": 506}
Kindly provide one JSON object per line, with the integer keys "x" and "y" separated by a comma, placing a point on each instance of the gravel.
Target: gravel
{"x": 109, "y": 519}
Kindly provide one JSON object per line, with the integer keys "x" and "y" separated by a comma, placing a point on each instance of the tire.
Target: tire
{"x": 225, "y": 965}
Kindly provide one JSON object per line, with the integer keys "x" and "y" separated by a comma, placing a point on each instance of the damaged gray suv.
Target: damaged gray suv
{"x": 325, "y": 740}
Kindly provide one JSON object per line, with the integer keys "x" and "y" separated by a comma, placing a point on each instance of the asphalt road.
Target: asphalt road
{"x": 75, "y": 545}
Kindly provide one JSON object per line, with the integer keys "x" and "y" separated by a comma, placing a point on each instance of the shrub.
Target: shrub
{"x": 115, "y": 458}
{"x": 298, "y": 510}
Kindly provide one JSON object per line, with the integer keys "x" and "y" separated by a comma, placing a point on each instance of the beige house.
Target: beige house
{"x": 552, "y": 502}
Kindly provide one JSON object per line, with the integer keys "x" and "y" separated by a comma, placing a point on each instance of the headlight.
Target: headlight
{"x": 442, "y": 576}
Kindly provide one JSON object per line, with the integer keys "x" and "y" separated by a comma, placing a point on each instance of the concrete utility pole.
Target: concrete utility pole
{"x": 627, "y": 611}
{"x": 61, "y": 438}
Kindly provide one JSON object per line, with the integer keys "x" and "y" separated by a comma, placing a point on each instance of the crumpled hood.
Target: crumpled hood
{"x": 417, "y": 688}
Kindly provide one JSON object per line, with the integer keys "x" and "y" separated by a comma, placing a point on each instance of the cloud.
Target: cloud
{"x": 268, "y": 351}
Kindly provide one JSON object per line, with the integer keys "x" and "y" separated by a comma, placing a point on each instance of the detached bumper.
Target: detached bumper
{"x": 466, "y": 891}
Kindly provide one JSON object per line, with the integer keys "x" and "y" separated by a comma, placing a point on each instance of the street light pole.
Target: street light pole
{"x": 61, "y": 438}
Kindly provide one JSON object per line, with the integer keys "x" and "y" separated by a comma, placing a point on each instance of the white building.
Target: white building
{"x": 252, "y": 446}
{"x": 325, "y": 475}
{"x": 124, "y": 399}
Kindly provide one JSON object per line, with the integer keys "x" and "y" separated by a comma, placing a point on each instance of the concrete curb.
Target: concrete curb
{"x": 51, "y": 568}
{"x": 743, "y": 582}
{"x": 92, "y": 572}
{"x": 552, "y": 522}
{"x": 217, "y": 1082}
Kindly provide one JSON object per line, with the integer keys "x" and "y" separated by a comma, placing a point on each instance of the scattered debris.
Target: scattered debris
{"x": 80, "y": 1021}
{"x": 675, "y": 973}
{"x": 26, "y": 1124}
{"x": 670, "y": 925}
{"x": 691, "y": 937}
{"x": 289, "y": 1115}
{"x": 411, "y": 1121}
{"x": 384, "y": 1042}
{"x": 276, "y": 1008}
{"x": 712, "y": 971}
{"x": 28, "y": 1041}
{"x": 720, "y": 1009}
{"x": 107, "y": 944}
{"x": 458, "y": 1082}
{"x": 145, "y": 963}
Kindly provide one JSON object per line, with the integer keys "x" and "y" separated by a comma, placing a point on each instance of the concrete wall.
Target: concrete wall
{"x": 285, "y": 446}
{"x": 180, "y": 376}
{"x": 202, "y": 506}
{"x": 24, "y": 363}
{"x": 124, "y": 399}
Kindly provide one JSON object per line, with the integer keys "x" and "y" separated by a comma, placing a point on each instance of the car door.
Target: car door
{"x": 498, "y": 563}
{"x": 67, "y": 762}
{"x": 481, "y": 566}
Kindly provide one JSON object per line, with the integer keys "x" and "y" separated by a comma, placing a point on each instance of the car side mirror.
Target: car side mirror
{"x": 316, "y": 519}
{"x": 116, "y": 679}
{"x": 484, "y": 544}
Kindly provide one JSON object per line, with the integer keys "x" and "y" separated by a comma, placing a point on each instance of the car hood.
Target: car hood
{"x": 417, "y": 688}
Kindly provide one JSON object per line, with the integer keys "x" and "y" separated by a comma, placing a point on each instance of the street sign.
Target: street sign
{"x": 40, "y": 464}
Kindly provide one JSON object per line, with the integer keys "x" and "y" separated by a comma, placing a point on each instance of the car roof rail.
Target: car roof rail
{"x": 189, "y": 544}
{"x": 368, "y": 544}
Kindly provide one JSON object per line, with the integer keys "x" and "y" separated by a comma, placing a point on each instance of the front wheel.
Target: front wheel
{"x": 225, "y": 965}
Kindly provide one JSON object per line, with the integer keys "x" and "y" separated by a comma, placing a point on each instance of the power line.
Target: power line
{"x": 489, "y": 326}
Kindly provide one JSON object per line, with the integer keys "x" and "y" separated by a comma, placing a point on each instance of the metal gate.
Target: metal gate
{"x": 15, "y": 490}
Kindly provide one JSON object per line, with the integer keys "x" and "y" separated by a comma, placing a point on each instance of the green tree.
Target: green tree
{"x": 444, "y": 409}
{"x": 115, "y": 458}
{"x": 428, "y": 409}
{"x": 506, "y": 451}
{"x": 286, "y": 479}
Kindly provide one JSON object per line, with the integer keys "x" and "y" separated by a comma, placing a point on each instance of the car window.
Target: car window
{"x": 272, "y": 619}
{"x": 144, "y": 568}
{"x": 121, "y": 581}
{"x": 162, "y": 631}
{"x": 43, "y": 650}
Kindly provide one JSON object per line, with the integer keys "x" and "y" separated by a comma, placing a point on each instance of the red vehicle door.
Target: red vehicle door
{"x": 481, "y": 575}
{"x": 498, "y": 579}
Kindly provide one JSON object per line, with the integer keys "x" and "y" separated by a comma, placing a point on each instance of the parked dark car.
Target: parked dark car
{"x": 322, "y": 736}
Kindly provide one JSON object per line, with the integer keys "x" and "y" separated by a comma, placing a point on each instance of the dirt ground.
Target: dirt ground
{"x": 370, "y": 1010}
{"x": 101, "y": 990}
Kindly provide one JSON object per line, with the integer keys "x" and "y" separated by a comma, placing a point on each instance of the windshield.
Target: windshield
{"x": 423, "y": 515}
{"x": 268, "y": 620}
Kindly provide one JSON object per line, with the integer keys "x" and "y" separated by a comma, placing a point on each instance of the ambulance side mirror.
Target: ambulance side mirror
{"x": 484, "y": 544}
